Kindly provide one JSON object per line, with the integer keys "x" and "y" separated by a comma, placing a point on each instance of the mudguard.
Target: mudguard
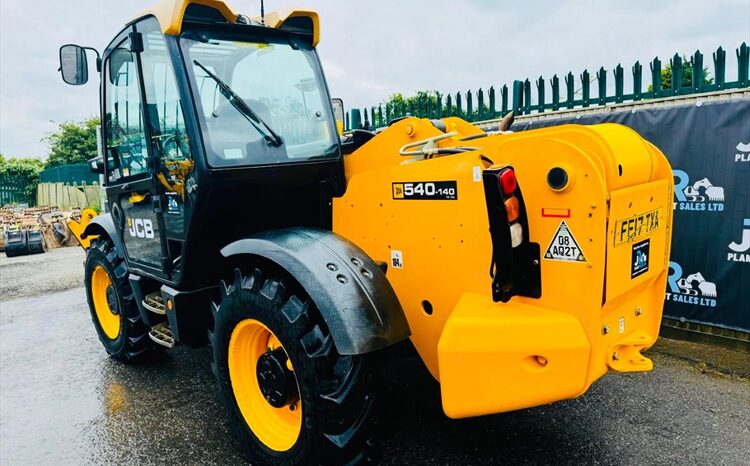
{"x": 104, "y": 224}
{"x": 351, "y": 291}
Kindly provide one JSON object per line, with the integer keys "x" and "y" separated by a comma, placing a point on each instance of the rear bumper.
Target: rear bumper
{"x": 501, "y": 358}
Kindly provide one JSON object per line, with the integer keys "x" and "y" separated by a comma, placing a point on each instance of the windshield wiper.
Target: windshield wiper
{"x": 242, "y": 107}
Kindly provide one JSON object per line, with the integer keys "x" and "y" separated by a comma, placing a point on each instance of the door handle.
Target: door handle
{"x": 137, "y": 198}
{"x": 125, "y": 187}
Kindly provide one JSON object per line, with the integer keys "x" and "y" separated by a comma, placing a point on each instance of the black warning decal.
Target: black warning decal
{"x": 564, "y": 246}
{"x": 425, "y": 190}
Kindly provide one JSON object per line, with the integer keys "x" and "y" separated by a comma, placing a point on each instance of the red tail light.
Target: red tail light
{"x": 507, "y": 180}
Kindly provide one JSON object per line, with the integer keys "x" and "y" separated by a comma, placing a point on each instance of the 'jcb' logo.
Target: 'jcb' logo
{"x": 140, "y": 228}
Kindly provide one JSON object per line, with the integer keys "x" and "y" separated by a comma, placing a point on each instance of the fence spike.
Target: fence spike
{"x": 637, "y": 80}
{"x": 518, "y": 97}
{"x": 480, "y": 104}
{"x": 555, "y": 92}
{"x": 697, "y": 62}
{"x": 655, "y": 77}
{"x": 570, "y": 90}
{"x": 493, "y": 112}
{"x": 720, "y": 69}
{"x": 585, "y": 87}
{"x": 676, "y": 65}
{"x": 540, "y": 94}
{"x": 601, "y": 80}
{"x": 527, "y": 96}
{"x": 743, "y": 65}
{"x": 619, "y": 83}
{"x": 504, "y": 99}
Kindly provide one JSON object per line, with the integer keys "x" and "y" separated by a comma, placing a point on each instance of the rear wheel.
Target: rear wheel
{"x": 113, "y": 309}
{"x": 290, "y": 396}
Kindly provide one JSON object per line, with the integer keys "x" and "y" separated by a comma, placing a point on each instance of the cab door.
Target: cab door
{"x": 169, "y": 144}
{"x": 129, "y": 168}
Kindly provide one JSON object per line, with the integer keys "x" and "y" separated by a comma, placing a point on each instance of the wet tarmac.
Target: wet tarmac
{"x": 63, "y": 401}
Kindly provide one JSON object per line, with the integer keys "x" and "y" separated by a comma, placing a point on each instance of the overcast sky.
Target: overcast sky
{"x": 371, "y": 49}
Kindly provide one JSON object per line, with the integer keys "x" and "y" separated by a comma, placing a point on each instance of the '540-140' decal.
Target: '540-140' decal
{"x": 425, "y": 190}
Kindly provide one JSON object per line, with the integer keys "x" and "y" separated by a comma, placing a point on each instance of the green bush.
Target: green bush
{"x": 21, "y": 173}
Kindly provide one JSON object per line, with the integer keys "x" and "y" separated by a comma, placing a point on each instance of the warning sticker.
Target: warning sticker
{"x": 564, "y": 246}
{"x": 397, "y": 259}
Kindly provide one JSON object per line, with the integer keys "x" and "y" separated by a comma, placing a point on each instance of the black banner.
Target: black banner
{"x": 708, "y": 145}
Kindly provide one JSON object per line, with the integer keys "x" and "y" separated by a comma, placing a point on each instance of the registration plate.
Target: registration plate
{"x": 637, "y": 227}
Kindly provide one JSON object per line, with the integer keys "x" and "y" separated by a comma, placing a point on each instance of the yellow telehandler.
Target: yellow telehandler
{"x": 521, "y": 266}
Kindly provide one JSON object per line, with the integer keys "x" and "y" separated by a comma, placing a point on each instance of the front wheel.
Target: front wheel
{"x": 290, "y": 396}
{"x": 113, "y": 309}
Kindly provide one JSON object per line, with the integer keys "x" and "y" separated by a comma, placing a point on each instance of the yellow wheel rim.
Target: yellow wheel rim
{"x": 277, "y": 428}
{"x": 108, "y": 321}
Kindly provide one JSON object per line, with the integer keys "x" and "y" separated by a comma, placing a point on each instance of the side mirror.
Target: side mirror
{"x": 96, "y": 165}
{"x": 338, "y": 113}
{"x": 74, "y": 65}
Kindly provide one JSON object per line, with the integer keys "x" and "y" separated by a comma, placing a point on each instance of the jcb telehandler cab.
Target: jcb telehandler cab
{"x": 522, "y": 266}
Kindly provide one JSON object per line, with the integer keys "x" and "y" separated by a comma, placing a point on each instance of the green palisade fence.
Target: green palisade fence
{"x": 12, "y": 192}
{"x": 71, "y": 173}
{"x": 549, "y": 96}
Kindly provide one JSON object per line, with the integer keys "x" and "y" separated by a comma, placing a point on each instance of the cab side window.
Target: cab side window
{"x": 163, "y": 104}
{"x": 125, "y": 135}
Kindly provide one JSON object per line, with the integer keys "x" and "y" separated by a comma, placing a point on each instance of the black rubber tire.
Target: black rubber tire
{"x": 337, "y": 392}
{"x": 132, "y": 340}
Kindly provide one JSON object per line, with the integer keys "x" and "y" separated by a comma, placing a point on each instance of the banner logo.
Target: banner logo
{"x": 692, "y": 289}
{"x": 698, "y": 196}
{"x": 743, "y": 152}
{"x": 739, "y": 251}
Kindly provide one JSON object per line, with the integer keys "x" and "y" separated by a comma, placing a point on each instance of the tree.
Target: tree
{"x": 21, "y": 173}
{"x": 72, "y": 142}
{"x": 687, "y": 75}
{"x": 411, "y": 105}
{"x": 398, "y": 101}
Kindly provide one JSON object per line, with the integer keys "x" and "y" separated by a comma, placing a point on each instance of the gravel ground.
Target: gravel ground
{"x": 57, "y": 270}
{"x": 63, "y": 401}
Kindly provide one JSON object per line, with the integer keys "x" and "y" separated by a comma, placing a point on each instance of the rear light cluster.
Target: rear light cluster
{"x": 508, "y": 186}
{"x": 515, "y": 267}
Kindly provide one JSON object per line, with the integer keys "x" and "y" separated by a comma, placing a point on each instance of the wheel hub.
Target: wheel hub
{"x": 112, "y": 300}
{"x": 277, "y": 383}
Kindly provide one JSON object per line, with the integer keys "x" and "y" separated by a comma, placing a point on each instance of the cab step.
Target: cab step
{"x": 161, "y": 334}
{"x": 155, "y": 303}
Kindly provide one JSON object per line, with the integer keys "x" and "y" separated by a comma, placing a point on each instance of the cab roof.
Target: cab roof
{"x": 171, "y": 13}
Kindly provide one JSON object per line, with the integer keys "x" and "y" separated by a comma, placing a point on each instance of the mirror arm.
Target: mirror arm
{"x": 98, "y": 58}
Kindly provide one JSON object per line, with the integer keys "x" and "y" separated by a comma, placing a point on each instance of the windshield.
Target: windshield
{"x": 252, "y": 93}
